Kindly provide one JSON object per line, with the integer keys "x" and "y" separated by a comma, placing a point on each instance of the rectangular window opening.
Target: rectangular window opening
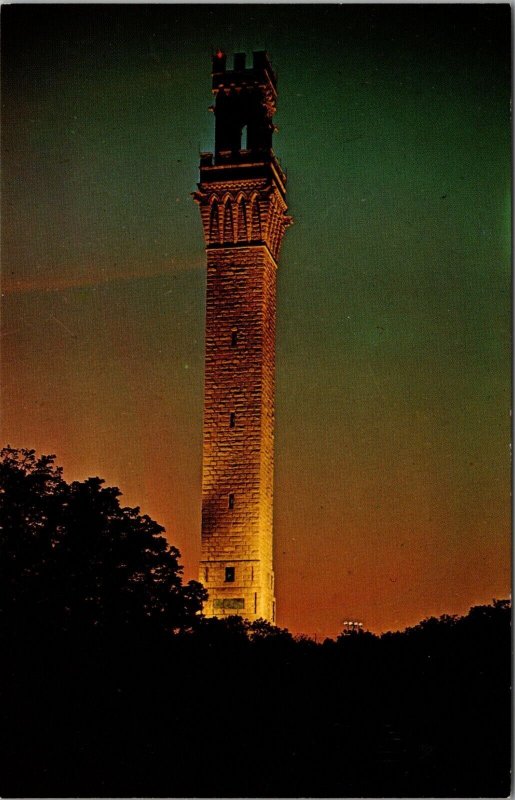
{"x": 234, "y": 338}
{"x": 255, "y": 602}
{"x": 206, "y": 574}
{"x": 229, "y": 574}
{"x": 231, "y": 501}
{"x": 232, "y": 419}
{"x": 228, "y": 602}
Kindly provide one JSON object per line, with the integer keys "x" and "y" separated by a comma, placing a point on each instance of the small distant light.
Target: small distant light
{"x": 220, "y": 54}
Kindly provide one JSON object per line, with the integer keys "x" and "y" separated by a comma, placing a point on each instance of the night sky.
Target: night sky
{"x": 393, "y": 341}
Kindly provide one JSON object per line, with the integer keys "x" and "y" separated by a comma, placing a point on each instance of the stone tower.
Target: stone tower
{"x": 241, "y": 195}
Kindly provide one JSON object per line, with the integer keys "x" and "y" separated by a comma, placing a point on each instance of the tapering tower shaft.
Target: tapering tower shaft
{"x": 241, "y": 195}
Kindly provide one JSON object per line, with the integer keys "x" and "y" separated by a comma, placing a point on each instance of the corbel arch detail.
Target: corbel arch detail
{"x": 214, "y": 219}
{"x": 228, "y": 219}
{"x": 255, "y": 216}
{"x": 242, "y": 218}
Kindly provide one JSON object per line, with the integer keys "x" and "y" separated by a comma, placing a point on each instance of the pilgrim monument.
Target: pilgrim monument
{"x": 241, "y": 195}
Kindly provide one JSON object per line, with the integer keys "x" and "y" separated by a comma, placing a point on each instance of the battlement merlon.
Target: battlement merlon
{"x": 261, "y": 72}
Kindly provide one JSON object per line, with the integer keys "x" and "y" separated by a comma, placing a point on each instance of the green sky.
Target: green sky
{"x": 394, "y": 296}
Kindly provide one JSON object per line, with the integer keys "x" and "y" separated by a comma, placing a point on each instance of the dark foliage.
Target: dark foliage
{"x": 122, "y": 691}
{"x": 73, "y": 560}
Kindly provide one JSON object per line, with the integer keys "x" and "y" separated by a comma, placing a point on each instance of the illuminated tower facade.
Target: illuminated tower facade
{"x": 241, "y": 195}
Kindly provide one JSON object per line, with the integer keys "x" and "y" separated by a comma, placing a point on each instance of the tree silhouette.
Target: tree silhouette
{"x": 74, "y": 560}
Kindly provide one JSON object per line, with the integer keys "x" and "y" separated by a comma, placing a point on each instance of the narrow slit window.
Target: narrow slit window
{"x": 232, "y": 419}
{"x": 231, "y": 501}
{"x": 234, "y": 338}
{"x": 206, "y": 574}
{"x": 229, "y": 574}
{"x": 255, "y": 602}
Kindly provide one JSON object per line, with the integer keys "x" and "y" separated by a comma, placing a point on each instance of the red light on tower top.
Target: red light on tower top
{"x": 218, "y": 60}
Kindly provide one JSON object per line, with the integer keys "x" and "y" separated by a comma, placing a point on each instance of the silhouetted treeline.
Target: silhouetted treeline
{"x": 114, "y": 685}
